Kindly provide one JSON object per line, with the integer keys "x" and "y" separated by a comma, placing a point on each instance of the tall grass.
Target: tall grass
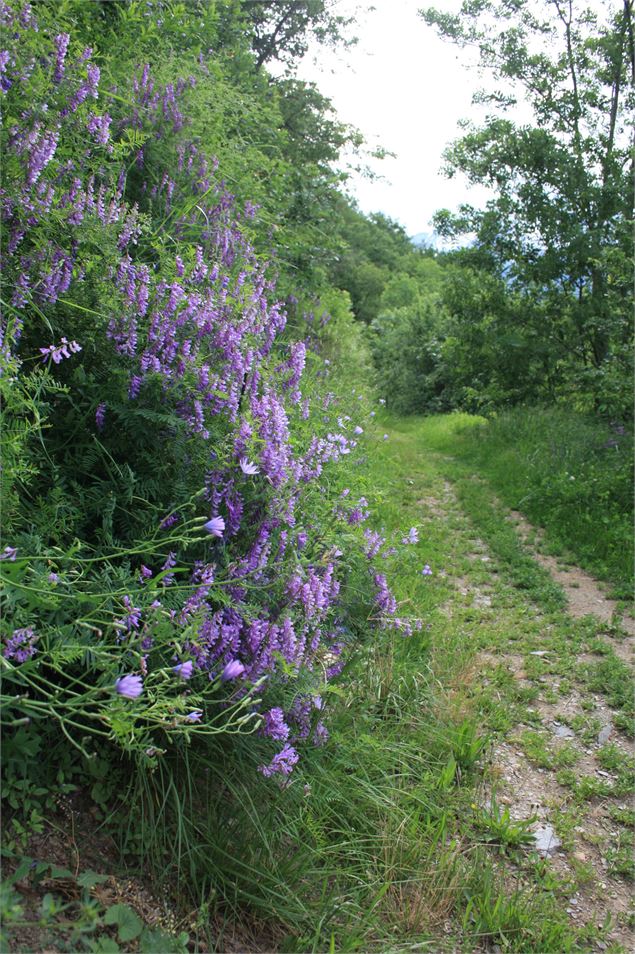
{"x": 569, "y": 473}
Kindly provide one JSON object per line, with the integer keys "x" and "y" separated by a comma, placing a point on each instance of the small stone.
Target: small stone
{"x": 563, "y": 731}
{"x": 539, "y": 652}
{"x": 545, "y": 840}
{"x": 605, "y": 734}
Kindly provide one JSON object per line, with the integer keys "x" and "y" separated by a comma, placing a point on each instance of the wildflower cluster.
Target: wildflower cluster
{"x": 214, "y": 583}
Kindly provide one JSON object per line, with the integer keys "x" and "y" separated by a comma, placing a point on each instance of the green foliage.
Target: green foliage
{"x": 569, "y": 473}
{"x": 497, "y": 826}
{"x": 558, "y": 229}
{"x": 67, "y": 913}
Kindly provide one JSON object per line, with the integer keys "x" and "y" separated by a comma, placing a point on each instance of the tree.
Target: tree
{"x": 282, "y": 29}
{"x": 558, "y": 226}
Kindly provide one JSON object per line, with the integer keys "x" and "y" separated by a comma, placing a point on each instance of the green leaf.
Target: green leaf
{"x": 129, "y": 925}
{"x": 88, "y": 879}
{"x": 105, "y": 945}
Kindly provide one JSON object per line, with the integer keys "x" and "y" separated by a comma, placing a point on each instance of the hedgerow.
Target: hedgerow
{"x": 178, "y": 560}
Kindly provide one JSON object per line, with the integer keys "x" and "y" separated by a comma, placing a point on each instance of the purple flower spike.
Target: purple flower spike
{"x": 130, "y": 687}
{"x": 247, "y": 467}
{"x": 184, "y": 670}
{"x": 195, "y": 715}
{"x": 281, "y": 763}
{"x": 232, "y": 670}
{"x": 100, "y": 416}
{"x": 21, "y": 645}
{"x": 215, "y": 526}
{"x": 9, "y": 553}
{"x": 413, "y": 536}
{"x": 426, "y": 571}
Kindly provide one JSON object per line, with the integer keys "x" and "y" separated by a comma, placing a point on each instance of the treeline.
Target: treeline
{"x": 537, "y": 305}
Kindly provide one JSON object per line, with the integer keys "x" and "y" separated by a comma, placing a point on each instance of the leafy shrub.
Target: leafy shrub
{"x": 175, "y": 555}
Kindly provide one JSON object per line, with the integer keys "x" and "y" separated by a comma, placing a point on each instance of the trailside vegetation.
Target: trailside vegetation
{"x": 212, "y": 648}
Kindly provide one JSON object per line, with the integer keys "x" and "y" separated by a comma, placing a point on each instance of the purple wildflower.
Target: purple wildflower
{"x": 194, "y": 716}
{"x": 61, "y": 46}
{"x": 144, "y": 573}
{"x": 168, "y": 579}
{"x": 274, "y": 725}
{"x": 232, "y": 670}
{"x": 215, "y": 526}
{"x": 169, "y": 521}
{"x": 130, "y": 687}
{"x": 132, "y": 620}
{"x": 283, "y": 762}
{"x": 413, "y": 536}
{"x": 100, "y": 415}
{"x": 9, "y": 553}
{"x": 320, "y": 734}
{"x": 21, "y": 645}
{"x": 248, "y": 467}
{"x": 58, "y": 352}
{"x": 358, "y": 430}
{"x": 384, "y": 598}
{"x": 184, "y": 670}
{"x": 426, "y": 571}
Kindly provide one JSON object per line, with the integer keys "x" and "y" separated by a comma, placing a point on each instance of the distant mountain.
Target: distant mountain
{"x": 425, "y": 240}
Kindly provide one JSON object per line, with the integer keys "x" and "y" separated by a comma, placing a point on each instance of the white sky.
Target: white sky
{"x": 405, "y": 90}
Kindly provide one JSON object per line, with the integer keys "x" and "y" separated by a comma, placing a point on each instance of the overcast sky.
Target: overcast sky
{"x": 406, "y": 90}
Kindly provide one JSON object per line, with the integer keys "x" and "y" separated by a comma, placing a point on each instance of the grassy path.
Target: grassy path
{"x": 548, "y": 827}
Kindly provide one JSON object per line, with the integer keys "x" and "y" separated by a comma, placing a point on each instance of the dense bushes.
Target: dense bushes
{"x": 180, "y": 560}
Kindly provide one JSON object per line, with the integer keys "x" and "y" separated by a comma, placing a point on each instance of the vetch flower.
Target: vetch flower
{"x": 232, "y": 670}
{"x": 248, "y": 467}
{"x": 130, "y": 687}
{"x": 385, "y": 437}
{"x": 426, "y": 571}
{"x": 274, "y": 725}
{"x": 9, "y": 553}
{"x": 184, "y": 670}
{"x": 21, "y": 645}
{"x": 282, "y": 762}
{"x": 195, "y": 715}
{"x": 413, "y": 536}
{"x": 215, "y": 526}
{"x": 58, "y": 352}
{"x": 100, "y": 416}
{"x": 358, "y": 430}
